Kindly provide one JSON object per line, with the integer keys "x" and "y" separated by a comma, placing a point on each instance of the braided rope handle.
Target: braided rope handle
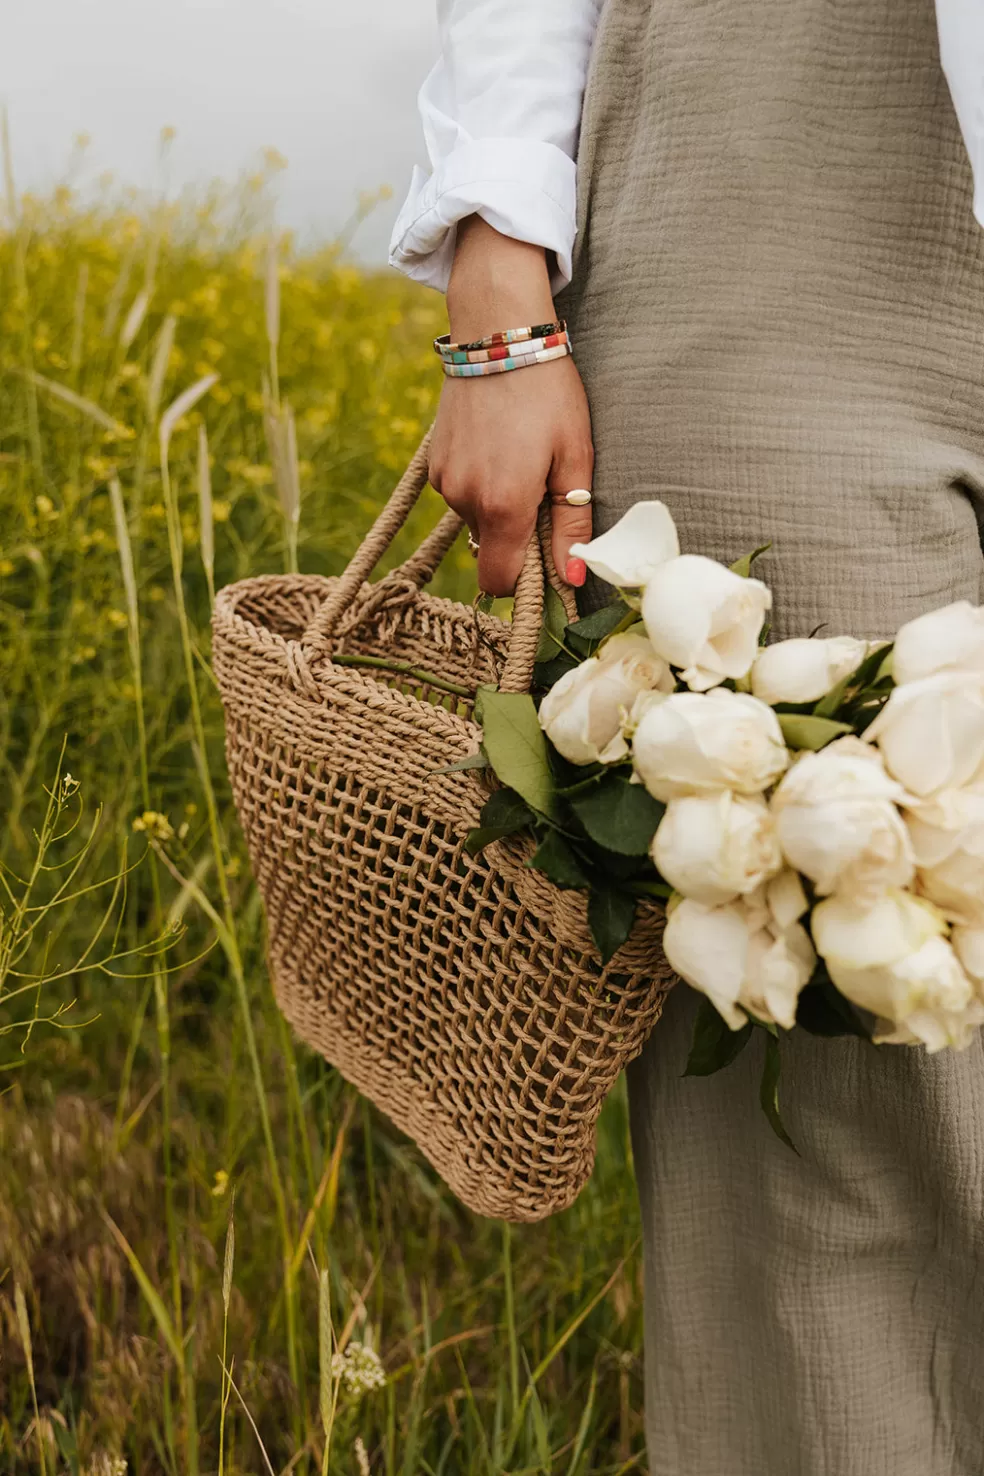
{"x": 419, "y": 569}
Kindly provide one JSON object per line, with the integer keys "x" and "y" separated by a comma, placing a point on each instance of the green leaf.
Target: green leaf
{"x": 517, "y": 749}
{"x": 482, "y": 691}
{"x": 653, "y": 889}
{"x": 715, "y": 1045}
{"x": 828, "y": 705}
{"x": 594, "y": 774}
{"x": 479, "y": 760}
{"x": 158, "y": 1310}
{"x": 804, "y": 731}
{"x": 875, "y": 668}
{"x": 476, "y": 840}
{"x": 548, "y": 673}
{"x": 823, "y": 1010}
{"x": 743, "y": 566}
{"x": 506, "y": 810}
{"x": 769, "y": 1092}
{"x": 557, "y": 860}
{"x": 618, "y": 815}
{"x": 503, "y": 813}
{"x": 484, "y": 602}
{"x": 886, "y": 667}
{"x": 611, "y": 914}
{"x": 553, "y": 627}
{"x": 601, "y": 623}
{"x": 870, "y": 669}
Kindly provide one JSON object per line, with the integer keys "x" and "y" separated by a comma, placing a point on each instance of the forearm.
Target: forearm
{"x": 501, "y": 112}
{"x": 496, "y": 282}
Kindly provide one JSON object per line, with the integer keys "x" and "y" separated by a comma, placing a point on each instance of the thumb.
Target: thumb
{"x": 571, "y": 522}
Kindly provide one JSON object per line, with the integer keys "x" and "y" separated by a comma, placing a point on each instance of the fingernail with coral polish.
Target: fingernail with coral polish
{"x": 576, "y": 572}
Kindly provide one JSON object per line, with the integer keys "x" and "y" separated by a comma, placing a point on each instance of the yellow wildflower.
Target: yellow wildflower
{"x": 154, "y": 825}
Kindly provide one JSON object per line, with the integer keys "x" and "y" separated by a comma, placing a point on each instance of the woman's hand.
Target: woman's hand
{"x": 501, "y": 442}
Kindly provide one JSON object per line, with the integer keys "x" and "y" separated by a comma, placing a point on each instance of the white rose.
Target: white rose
{"x": 931, "y": 731}
{"x": 968, "y": 944}
{"x": 926, "y": 999}
{"x": 854, "y": 938}
{"x": 838, "y": 822}
{"x": 943, "y": 640}
{"x": 582, "y": 714}
{"x": 948, "y": 842}
{"x": 741, "y": 958}
{"x": 715, "y": 847}
{"x": 692, "y": 743}
{"x": 778, "y": 967}
{"x": 892, "y": 960}
{"x": 704, "y": 618}
{"x": 805, "y": 670}
{"x": 629, "y": 552}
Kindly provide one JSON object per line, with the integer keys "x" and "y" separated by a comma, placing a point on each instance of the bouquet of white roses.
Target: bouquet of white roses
{"x": 812, "y": 811}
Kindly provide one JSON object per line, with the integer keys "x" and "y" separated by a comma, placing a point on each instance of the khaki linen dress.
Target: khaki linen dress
{"x": 778, "y": 311}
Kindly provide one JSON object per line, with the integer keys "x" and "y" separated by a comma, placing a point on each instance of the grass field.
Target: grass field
{"x": 150, "y": 1097}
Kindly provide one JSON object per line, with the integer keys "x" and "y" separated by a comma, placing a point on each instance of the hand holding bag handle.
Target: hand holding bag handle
{"x": 420, "y": 568}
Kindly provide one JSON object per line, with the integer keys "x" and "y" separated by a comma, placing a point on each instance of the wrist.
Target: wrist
{"x": 496, "y": 282}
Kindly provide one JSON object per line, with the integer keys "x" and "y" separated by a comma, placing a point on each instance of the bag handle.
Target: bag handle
{"x": 421, "y": 566}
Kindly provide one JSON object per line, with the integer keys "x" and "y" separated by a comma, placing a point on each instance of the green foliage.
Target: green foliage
{"x": 558, "y": 860}
{"x": 553, "y": 628}
{"x": 611, "y": 914}
{"x": 585, "y": 635}
{"x": 743, "y": 566}
{"x": 800, "y": 730}
{"x": 769, "y": 1090}
{"x": 714, "y": 1045}
{"x": 619, "y": 815}
{"x": 517, "y": 750}
{"x": 823, "y": 1010}
{"x": 503, "y": 813}
{"x": 184, "y": 1087}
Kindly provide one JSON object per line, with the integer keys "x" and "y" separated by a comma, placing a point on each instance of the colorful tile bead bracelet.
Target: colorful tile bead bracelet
{"x": 512, "y": 348}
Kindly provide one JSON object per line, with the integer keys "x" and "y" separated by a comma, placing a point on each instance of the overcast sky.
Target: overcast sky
{"x": 330, "y": 83}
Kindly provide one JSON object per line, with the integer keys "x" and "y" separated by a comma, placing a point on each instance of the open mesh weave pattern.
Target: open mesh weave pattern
{"x": 462, "y": 994}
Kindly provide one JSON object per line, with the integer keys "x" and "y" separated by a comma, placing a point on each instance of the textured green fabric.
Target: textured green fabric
{"x": 778, "y": 310}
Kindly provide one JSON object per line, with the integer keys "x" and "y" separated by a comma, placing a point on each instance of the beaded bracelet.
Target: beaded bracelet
{"x": 444, "y": 346}
{"x": 502, "y": 366}
{"x": 504, "y": 351}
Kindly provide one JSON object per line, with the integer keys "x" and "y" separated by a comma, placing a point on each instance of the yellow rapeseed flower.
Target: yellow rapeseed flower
{"x": 154, "y": 825}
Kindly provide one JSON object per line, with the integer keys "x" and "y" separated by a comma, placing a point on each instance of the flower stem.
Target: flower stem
{"x": 386, "y": 664}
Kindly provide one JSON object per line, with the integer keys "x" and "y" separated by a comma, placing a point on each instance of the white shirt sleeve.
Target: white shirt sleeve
{"x": 501, "y": 111}
{"x": 961, "y": 28}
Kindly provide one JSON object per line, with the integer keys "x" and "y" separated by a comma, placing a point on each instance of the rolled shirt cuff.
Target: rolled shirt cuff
{"x": 524, "y": 189}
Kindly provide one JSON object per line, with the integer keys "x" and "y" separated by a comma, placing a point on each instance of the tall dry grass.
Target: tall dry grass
{"x": 213, "y": 1256}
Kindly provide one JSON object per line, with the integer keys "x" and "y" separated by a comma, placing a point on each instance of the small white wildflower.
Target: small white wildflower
{"x": 362, "y": 1457}
{"x": 359, "y": 1368}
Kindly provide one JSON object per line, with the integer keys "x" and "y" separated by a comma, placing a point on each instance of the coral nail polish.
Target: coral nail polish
{"x": 576, "y": 572}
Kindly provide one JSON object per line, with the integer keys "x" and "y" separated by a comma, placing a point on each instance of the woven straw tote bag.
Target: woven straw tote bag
{"x": 462, "y": 994}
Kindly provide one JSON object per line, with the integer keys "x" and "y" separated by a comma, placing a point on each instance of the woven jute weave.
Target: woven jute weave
{"x": 462, "y": 995}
